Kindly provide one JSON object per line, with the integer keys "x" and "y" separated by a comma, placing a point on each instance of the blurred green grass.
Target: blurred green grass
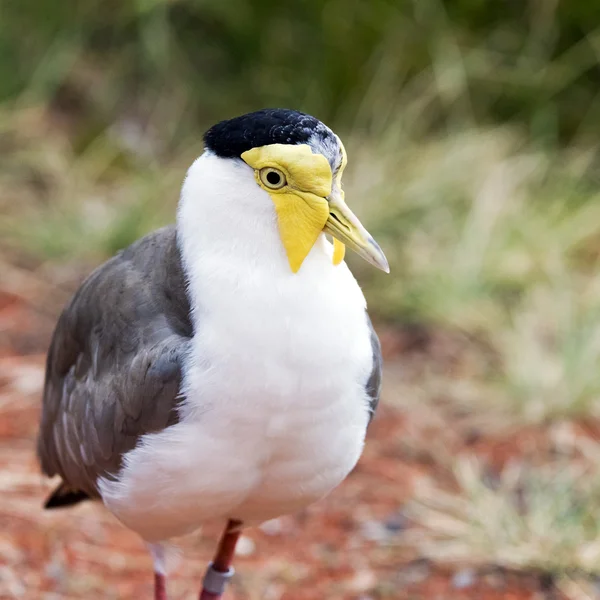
{"x": 187, "y": 63}
{"x": 472, "y": 130}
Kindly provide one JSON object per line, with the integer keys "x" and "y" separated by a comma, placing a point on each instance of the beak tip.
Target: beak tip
{"x": 384, "y": 266}
{"x": 378, "y": 258}
{"x": 381, "y": 261}
{"x": 378, "y": 261}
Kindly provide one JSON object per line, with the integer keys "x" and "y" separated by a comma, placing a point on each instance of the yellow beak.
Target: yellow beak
{"x": 343, "y": 225}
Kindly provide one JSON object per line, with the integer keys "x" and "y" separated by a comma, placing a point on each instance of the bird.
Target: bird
{"x": 223, "y": 367}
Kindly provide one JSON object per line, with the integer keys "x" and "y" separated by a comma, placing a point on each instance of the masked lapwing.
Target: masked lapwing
{"x": 224, "y": 367}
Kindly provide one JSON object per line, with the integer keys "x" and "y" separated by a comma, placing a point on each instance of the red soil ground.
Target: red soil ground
{"x": 348, "y": 546}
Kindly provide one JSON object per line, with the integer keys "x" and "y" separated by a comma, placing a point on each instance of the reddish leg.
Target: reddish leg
{"x": 160, "y": 568}
{"x": 160, "y": 587}
{"x": 220, "y": 570}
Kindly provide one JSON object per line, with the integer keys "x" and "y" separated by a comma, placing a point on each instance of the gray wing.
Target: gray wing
{"x": 374, "y": 381}
{"x": 114, "y": 366}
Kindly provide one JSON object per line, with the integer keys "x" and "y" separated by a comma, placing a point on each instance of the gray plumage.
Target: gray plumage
{"x": 374, "y": 381}
{"x": 114, "y": 367}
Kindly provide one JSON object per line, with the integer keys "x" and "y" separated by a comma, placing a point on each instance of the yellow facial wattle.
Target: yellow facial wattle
{"x": 339, "y": 251}
{"x": 301, "y": 204}
{"x": 309, "y": 201}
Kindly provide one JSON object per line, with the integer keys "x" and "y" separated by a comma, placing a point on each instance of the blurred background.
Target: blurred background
{"x": 473, "y": 133}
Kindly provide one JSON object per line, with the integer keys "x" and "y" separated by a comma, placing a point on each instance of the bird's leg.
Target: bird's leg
{"x": 160, "y": 586}
{"x": 160, "y": 572}
{"x": 220, "y": 571}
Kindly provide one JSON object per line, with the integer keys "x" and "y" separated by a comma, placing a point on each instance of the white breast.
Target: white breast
{"x": 275, "y": 407}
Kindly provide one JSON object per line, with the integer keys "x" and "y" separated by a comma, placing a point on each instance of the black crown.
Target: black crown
{"x": 231, "y": 138}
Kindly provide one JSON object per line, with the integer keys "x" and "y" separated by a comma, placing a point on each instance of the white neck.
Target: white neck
{"x": 254, "y": 319}
{"x": 227, "y": 229}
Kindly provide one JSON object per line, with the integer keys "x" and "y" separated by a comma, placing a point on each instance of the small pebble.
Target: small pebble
{"x": 396, "y": 522}
{"x": 362, "y": 581}
{"x": 279, "y": 526}
{"x": 11, "y": 583}
{"x": 55, "y": 570}
{"x": 374, "y": 531}
{"x": 414, "y": 572}
{"x": 245, "y": 546}
{"x": 28, "y": 379}
{"x": 495, "y": 578}
{"x": 463, "y": 579}
{"x": 273, "y": 592}
{"x": 272, "y": 527}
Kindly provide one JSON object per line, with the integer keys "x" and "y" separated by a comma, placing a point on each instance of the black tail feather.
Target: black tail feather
{"x": 64, "y": 496}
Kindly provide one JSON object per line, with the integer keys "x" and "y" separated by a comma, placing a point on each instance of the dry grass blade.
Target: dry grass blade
{"x": 542, "y": 519}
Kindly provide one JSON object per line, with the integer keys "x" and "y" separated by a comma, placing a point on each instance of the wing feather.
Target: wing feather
{"x": 114, "y": 366}
{"x": 374, "y": 381}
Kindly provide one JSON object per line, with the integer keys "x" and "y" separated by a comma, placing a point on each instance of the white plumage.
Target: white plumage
{"x": 274, "y": 407}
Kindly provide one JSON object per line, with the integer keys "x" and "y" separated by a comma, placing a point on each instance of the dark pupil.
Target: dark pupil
{"x": 273, "y": 178}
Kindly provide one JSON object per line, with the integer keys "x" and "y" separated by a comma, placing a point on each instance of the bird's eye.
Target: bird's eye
{"x": 272, "y": 178}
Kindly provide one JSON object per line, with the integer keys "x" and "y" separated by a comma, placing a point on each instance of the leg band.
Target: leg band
{"x": 215, "y": 581}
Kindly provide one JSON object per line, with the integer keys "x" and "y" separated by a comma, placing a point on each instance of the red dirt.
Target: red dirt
{"x": 344, "y": 547}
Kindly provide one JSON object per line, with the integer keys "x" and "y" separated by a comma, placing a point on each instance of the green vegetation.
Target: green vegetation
{"x": 472, "y": 129}
{"x": 182, "y": 63}
{"x": 544, "y": 518}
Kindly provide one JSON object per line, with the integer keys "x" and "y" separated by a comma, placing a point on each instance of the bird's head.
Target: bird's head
{"x": 298, "y": 162}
